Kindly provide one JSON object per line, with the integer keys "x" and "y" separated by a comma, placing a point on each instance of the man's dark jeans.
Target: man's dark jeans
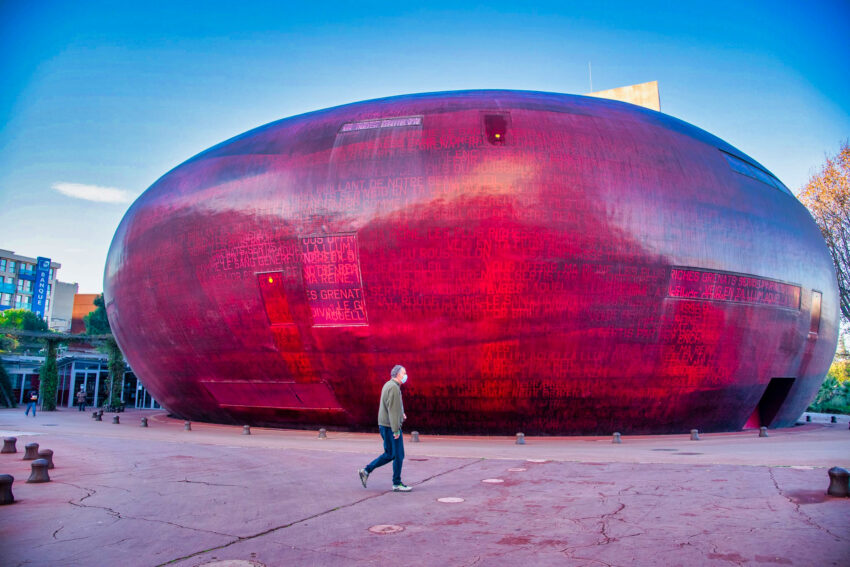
{"x": 393, "y": 451}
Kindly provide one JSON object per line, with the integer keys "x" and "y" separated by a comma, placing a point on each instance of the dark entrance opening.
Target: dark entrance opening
{"x": 773, "y": 398}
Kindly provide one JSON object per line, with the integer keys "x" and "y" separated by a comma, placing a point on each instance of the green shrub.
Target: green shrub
{"x": 834, "y": 393}
{"x": 6, "y": 396}
{"x": 49, "y": 378}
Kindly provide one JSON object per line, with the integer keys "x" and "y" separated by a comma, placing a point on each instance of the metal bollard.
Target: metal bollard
{"x": 694, "y": 434}
{"x": 6, "y": 496}
{"x": 520, "y": 438}
{"x": 616, "y": 438}
{"x": 414, "y": 437}
{"x": 144, "y": 422}
{"x": 98, "y": 416}
{"x": 115, "y": 419}
{"x": 763, "y": 431}
{"x": 839, "y": 482}
{"x": 47, "y": 455}
{"x": 31, "y": 452}
{"x": 808, "y": 418}
{"x": 246, "y": 430}
{"x": 39, "y": 471}
{"x": 9, "y": 445}
{"x": 323, "y": 433}
{"x": 832, "y": 419}
{"x": 94, "y": 415}
{"x": 187, "y": 426}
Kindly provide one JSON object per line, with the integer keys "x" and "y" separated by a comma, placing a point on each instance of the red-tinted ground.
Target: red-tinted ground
{"x": 124, "y": 495}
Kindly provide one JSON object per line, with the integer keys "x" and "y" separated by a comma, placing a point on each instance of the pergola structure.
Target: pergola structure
{"x": 52, "y": 340}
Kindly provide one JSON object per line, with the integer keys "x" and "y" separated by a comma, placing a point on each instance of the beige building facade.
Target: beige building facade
{"x": 643, "y": 94}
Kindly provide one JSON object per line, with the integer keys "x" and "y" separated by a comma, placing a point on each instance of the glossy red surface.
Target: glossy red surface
{"x": 539, "y": 262}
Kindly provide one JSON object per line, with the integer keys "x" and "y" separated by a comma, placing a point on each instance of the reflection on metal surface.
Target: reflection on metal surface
{"x": 540, "y": 262}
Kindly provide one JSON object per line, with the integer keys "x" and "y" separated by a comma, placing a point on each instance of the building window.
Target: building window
{"x": 744, "y": 167}
{"x": 25, "y": 286}
{"x": 496, "y": 128}
{"x": 23, "y": 302}
{"x": 814, "y": 328}
{"x": 3, "y": 265}
{"x": 51, "y": 273}
{"x": 6, "y": 299}
{"x": 47, "y": 306}
{"x": 11, "y": 267}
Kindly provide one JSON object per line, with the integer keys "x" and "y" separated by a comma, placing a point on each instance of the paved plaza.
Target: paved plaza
{"x": 125, "y": 495}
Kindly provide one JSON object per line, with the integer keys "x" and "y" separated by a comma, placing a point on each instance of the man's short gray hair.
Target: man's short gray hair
{"x": 396, "y": 369}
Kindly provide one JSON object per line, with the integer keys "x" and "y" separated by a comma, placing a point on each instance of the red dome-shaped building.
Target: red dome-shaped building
{"x": 539, "y": 262}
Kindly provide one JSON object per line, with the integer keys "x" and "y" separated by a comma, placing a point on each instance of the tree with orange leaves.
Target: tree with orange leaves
{"x": 827, "y": 196}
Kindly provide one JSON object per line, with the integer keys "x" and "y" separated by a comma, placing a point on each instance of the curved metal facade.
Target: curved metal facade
{"x": 539, "y": 262}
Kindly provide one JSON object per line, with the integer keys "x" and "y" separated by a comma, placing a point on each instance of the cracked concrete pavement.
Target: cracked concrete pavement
{"x": 125, "y": 495}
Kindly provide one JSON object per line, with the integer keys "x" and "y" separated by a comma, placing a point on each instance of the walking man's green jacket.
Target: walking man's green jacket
{"x": 391, "y": 409}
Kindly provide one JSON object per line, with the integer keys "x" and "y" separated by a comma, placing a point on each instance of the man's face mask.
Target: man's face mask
{"x": 404, "y": 378}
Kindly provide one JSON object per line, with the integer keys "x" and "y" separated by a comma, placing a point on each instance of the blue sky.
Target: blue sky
{"x": 109, "y": 95}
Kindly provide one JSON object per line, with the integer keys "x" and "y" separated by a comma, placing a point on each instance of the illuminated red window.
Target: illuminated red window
{"x": 274, "y": 298}
{"x": 496, "y": 128}
{"x": 816, "y": 301}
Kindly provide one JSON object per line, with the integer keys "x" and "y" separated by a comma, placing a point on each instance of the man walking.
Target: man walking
{"x": 81, "y": 398}
{"x": 33, "y": 401}
{"x": 390, "y": 416}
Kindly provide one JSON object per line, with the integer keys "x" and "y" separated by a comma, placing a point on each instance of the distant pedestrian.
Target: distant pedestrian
{"x": 33, "y": 400}
{"x": 390, "y": 417}
{"x": 81, "y": 398}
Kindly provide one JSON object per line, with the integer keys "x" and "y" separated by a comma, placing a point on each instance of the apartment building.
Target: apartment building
{"x": 27, "y": 283}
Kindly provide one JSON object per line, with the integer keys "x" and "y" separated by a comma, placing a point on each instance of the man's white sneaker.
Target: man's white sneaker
{"x": 401, "y": 488}
{"x": 364, "y": 476}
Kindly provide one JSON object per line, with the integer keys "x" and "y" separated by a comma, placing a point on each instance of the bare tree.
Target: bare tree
{"x": 827, "y": 196}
